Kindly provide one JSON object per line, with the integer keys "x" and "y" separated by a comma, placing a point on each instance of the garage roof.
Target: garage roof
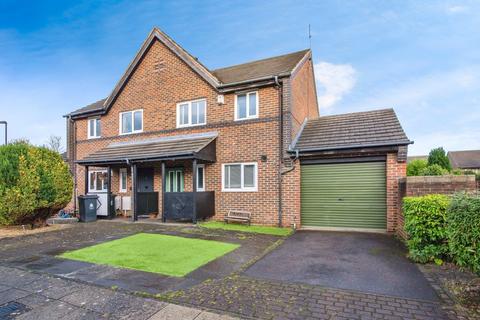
{"x": 352, "y": 130}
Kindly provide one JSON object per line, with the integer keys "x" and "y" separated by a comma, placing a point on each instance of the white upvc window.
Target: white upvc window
{"x": 246, "y": 106}
{"x": 97, "y": 181}
{"x": 123, "y": 180}
{"x": 239, "y": 177}
{"x": 201, "y": 177}
{"x": 131, "y": 122}
{"x": 94, "y": 128}
{"x": 191, "y": 113}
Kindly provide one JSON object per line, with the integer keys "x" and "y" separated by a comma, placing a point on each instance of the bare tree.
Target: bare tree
{"x": 55, "y": 143}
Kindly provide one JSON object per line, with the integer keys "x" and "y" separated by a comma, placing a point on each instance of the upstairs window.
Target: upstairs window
{"x": 246, "y": 106}
{"x": 131, "y": 122}
{"x": 94, "y": 128}
{"x": 191, "y": 113}
{"x": 239, "y": 177}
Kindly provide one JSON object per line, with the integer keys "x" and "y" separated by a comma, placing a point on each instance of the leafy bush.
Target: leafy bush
{"x": 34, "y": 183}
{"x": 463, "y": 230}
{"x": 433, "y": 170}
{"x": 416, "y": 167}
{"x": 425, "y": 224}
{"x": 438, "y": 156}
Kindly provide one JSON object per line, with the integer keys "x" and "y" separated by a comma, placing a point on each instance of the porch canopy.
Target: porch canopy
{"x": 198, "y": 147}
{"x": 194, "y": 146}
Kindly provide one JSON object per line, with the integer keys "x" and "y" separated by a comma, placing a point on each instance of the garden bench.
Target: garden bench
{"x": 238, "y": 216}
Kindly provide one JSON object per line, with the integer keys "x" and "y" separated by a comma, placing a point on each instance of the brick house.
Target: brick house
{"x": 186, "y": 142}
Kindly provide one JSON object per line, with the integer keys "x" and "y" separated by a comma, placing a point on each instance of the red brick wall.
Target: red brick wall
{"x": 157, "y": 93}
{"x": 304, "y": 97}
{"x": 395, "y": 171}
{"x": 419, "y": 186}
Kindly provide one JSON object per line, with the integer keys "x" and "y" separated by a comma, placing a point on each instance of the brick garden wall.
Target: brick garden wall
{"x": 419, "y": 186}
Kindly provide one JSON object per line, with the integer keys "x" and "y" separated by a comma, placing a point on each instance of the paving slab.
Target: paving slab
{"x": 172, "y": 312}
{"x": 11, "y": 295}
{"x": 34, "y": 300}
{"x": 365, "y": 262}
{"x": 51, "y": 311}
{"x": 52, "y": 287}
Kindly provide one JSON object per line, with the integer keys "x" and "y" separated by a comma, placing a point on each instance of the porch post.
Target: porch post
{"x": 134, "y": 192}
{"x": 194, "y": 190}
{"x": 86, "y": 180}
{"x": 109, "y": 191}
{"x": 164, "y": 179}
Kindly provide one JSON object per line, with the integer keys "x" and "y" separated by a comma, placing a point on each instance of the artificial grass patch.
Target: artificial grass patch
{"x": 244, "y": 228}
{"x": 168, "y": 255}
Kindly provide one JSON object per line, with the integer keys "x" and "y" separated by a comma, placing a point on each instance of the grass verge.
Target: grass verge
{"x": 244, "y": 228}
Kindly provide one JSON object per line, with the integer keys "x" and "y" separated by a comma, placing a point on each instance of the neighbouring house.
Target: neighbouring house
{"x": 186, "y": 142}
{"x": 467, "y": 160}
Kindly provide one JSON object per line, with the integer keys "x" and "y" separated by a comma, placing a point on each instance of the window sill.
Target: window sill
{"x": 129, "y": 133}
{"x": 246, "y": 119}
{"x": 240, "y": 190}
{"x": 190, "y": 125}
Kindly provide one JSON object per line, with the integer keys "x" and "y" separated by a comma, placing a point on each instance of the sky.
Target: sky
{"x": 421, "y": 58}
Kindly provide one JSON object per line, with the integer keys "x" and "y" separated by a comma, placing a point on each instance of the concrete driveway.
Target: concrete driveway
{"x": 366, "y": 262}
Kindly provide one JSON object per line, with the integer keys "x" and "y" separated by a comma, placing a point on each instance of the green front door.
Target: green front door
{"x": 344, "y": 195}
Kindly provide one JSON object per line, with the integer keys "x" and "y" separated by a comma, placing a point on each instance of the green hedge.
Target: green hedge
{"x": 34, "y": 183}
{"x": 425, "y": 224}
{"x": 463, "y": 231}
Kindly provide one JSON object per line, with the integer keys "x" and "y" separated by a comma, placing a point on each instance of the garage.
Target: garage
{"x": 344, "y": 195}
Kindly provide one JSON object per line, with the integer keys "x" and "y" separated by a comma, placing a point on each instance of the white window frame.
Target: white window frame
{"x": 189, "y": 103}
{"x": 247, "y": 94}
{"x": 89, "y": 126}
{"x": 104, "y": 185}
{"x": 242, "y": 188}
{"x": 122, "y": 171}
{"x": 203, "y": 187}
{"x": 133, "y": 122}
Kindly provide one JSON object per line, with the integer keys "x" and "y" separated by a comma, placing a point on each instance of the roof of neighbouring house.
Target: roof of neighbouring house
{"x": 188, "y": 146}
{"x": 352, "y": 130}
{"x": 466, "y": 159}
{"x": 257, "y": 70}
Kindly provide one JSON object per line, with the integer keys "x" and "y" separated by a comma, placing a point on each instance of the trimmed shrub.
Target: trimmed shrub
{"x": 434, "y": 170}
{"x": 425, "y": 224}
{"x": 463, "y": 230}
{"x": 34, "y": 184}
{"x": 438, "y": 156}
{"x": 416, "y": 167}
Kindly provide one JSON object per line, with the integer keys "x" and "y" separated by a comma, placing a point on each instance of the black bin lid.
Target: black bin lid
{"x": 89, "y": 196}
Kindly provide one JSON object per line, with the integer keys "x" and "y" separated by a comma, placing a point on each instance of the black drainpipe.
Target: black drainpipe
{"x": 280, "y": 153}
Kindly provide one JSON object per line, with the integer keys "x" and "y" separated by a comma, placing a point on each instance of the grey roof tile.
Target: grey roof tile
{"x": 150, "y": 149}
{"x": 370, "y": 128}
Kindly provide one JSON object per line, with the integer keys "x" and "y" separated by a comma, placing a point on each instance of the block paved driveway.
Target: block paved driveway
{"x": 365, "y": 262}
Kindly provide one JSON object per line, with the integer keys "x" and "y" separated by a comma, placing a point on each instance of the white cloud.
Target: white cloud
{"x": 333, "y": 81}
{"x": 457, "y": 9}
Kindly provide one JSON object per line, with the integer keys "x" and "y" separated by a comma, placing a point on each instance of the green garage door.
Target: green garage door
{"x": 346, "y": 195}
